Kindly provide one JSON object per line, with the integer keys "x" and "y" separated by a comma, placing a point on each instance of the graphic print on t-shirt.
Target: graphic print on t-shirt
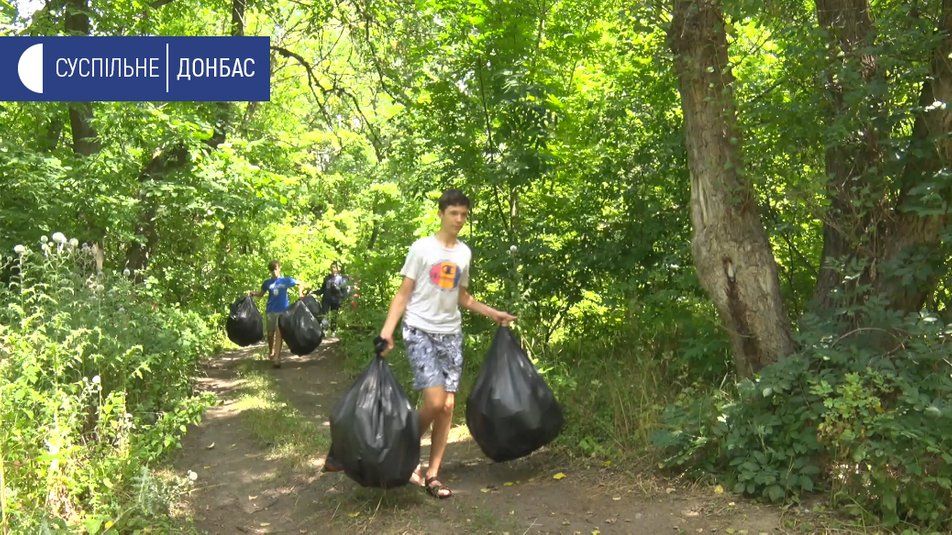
{"x": 445, "y": 275}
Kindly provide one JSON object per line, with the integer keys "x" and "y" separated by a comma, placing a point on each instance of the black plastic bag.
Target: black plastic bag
{"x": 311, "y": 302}
{"x": 511, "y": 412}
{"x": 244, "y": 324}
{"x": 375, "y": 432}
{"x": 300, "y": 329}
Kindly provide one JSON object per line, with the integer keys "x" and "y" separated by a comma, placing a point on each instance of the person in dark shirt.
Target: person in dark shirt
{"x": 334, "y": 291}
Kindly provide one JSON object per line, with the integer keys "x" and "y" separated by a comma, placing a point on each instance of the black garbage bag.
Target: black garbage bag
{"x": 244, "y": 324}
{"x": 300, "y": 328}
{"x": 312, "y": 304}
{"x": 511, "y": 412}
{"x": 375, "y": 433}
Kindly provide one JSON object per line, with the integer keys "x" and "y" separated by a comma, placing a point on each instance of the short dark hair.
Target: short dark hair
{"x": 273, "y": 265}
{"x": 453, "y": 197}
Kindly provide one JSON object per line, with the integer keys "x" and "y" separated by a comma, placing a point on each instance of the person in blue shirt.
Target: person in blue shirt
{"x": 276, "y": 288}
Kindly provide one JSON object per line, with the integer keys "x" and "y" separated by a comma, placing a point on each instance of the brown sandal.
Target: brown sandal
{"x": 434, "y": 487}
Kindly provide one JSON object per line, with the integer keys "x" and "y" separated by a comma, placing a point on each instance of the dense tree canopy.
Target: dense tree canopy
{"x": 694, "y": 193}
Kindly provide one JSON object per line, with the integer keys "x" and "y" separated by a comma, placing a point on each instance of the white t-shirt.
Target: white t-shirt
{"x": 438, "y": 272}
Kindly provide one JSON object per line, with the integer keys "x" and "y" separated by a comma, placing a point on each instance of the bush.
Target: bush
{"x": 94, "y": 387}
{"x": 864, "y": 414}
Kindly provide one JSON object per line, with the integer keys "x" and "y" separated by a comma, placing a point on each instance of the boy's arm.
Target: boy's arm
{"x": 253, "y": 293}
{"x": 260, "y": 292}
{"x": 467, "y": 301}
{"x": 397, "y": 307}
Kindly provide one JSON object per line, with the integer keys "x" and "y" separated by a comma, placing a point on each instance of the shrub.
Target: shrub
{"x": 865, "y": 414}
{"x": 95, "y": 385}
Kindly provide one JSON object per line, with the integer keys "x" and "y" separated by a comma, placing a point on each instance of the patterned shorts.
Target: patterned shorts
{"x": 436, "y": 359}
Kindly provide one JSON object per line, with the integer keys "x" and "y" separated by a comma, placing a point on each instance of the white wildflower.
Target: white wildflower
{"x": 97, "y": 379}
{"x": 59, "y": 238}
{"x": 74, "y": 243}
{"x": 126, "y": 272}
{"x": 19, "y": 249}
{"x": 513, "y": 249}
{"x": 44, "y": 239}
{"x": 192, "y": 476}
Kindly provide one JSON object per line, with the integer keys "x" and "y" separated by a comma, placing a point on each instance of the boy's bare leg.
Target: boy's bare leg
{"x": 434, "y": 398}
{"x": 441, "y": 433}
{"x": 276, "y": 353}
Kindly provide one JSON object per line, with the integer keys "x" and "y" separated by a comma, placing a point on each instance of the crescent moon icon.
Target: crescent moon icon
{"x": 30, "y": 68}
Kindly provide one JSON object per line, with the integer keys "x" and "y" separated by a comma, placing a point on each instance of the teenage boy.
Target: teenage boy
{"x": 278, "y": 302}
{"x": 435, "y": 282}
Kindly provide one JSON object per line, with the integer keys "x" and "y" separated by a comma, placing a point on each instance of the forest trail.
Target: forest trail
{"x": 247, "y": 485}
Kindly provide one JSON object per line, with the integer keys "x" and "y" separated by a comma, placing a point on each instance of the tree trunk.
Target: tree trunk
{"x": 168, "y": 161}
{"x": 853, "y": 164}
{"x": 137, "y": 256}
{"x": 238, "y": 18}
{"x": 880, "y": 240}
{"x": 914, "y": 235}
{"x": 85, "y": 139}
{"x": 732, "y": 255}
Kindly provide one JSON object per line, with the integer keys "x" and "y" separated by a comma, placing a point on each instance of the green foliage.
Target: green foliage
{"x": 95, "y": 385}
{"x": 864, "y": 414}
{"x": 562, "y": 121}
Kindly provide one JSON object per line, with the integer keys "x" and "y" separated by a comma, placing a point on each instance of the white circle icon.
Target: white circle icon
{"x": 30, "y": 68}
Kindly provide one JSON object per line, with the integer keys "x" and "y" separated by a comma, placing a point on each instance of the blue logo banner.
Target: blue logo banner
{"x": 135, "y": 68}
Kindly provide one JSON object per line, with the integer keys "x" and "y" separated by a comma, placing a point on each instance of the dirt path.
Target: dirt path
{"x": 243, "y": 486}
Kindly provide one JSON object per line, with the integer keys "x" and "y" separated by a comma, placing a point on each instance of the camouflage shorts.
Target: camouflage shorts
{"x": 436, "y": 359}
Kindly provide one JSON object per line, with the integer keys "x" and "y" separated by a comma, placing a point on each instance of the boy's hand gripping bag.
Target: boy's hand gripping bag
{"x": 511, "y": 411}
{"x": 375, "y": 433}
{"x": 300, "y": 329}
{"x": 244, "y": 324}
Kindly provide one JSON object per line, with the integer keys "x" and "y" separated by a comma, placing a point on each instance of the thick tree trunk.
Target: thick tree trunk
{"x": 853, "y": 165}
{"x": 914, "y": 235}
{"x": 885, "y": 241}
{"x": 732, "y": 255}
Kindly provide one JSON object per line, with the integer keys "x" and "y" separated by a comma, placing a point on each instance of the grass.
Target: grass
{"x": 375, "y": 511}
{"x": 274, "y": 422}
